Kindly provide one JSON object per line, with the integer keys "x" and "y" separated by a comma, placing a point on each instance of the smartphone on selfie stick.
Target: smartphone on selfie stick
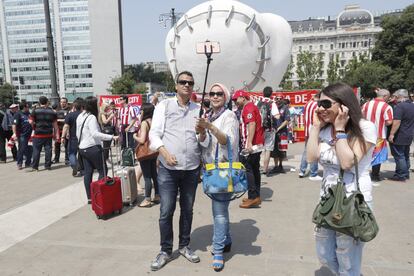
{"x": 207, "y": 48}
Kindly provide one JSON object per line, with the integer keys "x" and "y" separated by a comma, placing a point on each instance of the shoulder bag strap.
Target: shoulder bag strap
{"x": 356, "y": 172}
{"x": 80, "y": 136}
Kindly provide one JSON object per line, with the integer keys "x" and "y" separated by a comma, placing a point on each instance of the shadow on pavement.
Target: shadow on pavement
{"x": 266, "y": 194}
{"x": 324, "y": 271}
{"x": 243, "y": 235}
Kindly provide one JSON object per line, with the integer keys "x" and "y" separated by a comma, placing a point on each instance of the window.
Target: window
{"x": 332, "y": 46}
{"x": 310, "y": 47}
{"x": 300, "y": 48}
{"x": 320, "y": 47}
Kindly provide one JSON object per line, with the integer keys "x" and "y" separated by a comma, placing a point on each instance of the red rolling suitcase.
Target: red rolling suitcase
{"x": 106, "y": 195}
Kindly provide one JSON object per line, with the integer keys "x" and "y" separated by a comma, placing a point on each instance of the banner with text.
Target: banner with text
{"x": 133, "y": 99}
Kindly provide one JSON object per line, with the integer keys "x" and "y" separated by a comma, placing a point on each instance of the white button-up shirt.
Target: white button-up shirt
{"x": 173, "y": 126}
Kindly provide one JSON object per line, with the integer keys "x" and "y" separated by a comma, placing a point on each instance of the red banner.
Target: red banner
{"x": 296, "y": 98}
{"x": 133, "y": 99}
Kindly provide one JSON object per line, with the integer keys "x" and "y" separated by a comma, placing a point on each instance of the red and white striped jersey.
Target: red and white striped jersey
{"x": 126, "y": 114}
{"x": 308, "y": 111}
{"x": 378, "y": 111}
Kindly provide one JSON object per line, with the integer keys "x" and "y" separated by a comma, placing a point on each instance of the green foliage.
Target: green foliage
{"x": 367, "y": 75}
{"x": 395, "y": 48}
{"x": 144, "y": 73}
{"x": 286, "y": 83}
{"x": 169, "y": 81}
{"x": 333, "y": 70}
{"x": 123, "y": 84}
{"x": 7, "y": 92}
{"x": 309, "y": 70}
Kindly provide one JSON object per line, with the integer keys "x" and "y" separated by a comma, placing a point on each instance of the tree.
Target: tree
{"x": 309, "y": 69}
{"x": 367, "y": 75}
{"x": 7, "y": 92}
{"x": 169, "y": 81}
{"x": 286, "y": 82}
{"x": 123, "y": 85}
{"x": 395, "y": 48}
{"x": 333, "y": 70}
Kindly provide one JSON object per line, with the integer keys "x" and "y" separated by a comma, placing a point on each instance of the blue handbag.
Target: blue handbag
{"x": 225, "y": 177}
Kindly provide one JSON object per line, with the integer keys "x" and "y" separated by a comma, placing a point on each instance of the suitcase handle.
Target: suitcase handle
{"x": 109, "y": 181}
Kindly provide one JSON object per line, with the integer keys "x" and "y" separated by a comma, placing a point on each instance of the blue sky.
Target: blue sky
{"x": 144, "y": 37}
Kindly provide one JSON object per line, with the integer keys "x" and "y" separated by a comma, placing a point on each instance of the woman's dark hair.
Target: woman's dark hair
{"x": 91, "y": 105}
{"x": 343, "y": 94}
{"x": 147, "y": 111}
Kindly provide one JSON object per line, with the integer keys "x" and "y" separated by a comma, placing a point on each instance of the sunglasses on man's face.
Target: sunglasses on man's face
{"x": 218, "y": 94}
{"x": 325, "y": 104}
{"x": 185, "y": 82}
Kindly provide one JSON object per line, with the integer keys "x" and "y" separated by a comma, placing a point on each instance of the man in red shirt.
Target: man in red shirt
{"x": 252, "y": 139}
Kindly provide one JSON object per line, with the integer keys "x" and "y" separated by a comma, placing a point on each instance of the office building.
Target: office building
{"x": 87, "y": 38}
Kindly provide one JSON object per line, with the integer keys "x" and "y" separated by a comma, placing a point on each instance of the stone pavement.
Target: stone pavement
{"x": 46, "y": 229}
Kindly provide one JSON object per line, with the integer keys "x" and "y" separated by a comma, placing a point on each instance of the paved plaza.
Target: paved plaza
{"x": 47, "y": 229}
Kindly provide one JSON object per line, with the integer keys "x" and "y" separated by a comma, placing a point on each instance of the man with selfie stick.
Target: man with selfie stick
{"x": 173, "y": 134}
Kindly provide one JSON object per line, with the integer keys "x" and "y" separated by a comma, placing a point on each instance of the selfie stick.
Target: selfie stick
{"x": 208, "y": 53}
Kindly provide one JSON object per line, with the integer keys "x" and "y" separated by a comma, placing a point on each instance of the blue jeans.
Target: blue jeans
{"x": 72, "y": 152}
{"x": 169, "y": 183}
{"x": 304, "y": 164}
{"x": 342, "y": 254}
{"x": 401, "y": 154}
{"x": 24, "y": 150}
{"x": 92, "y": 159}
{"x": 38, "y": 143}
{"x": 221, "y": 234}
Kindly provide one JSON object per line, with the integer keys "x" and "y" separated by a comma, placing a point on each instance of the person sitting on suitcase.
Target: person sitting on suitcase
{"x": 173, "y": 135}
{"x": 148, "y": 166}
{"x": 90, "y": 140}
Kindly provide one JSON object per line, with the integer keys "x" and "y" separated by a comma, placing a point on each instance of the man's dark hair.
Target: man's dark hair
{"x": 22, "y": 105}
{"x": 43, "y": 100}
{"x": 77, "y": 104}
{"x": 81, "y": 102}
{"x": 91, "y": 105}
{"x": 267, "y": 91}
{"x": 64, "y": 98}
{"x": 125, "y": 98}
{"x": 188, "y": 73}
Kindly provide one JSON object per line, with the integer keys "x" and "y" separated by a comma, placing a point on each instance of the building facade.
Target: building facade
{"x": 351, "y": 34}
{"x": 84, "y": 64}
{"x": 157, "y": 66}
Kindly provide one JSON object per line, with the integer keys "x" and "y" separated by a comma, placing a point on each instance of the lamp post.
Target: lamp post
{"x": 51, "y": 54}
{"x": 172, "y": 16}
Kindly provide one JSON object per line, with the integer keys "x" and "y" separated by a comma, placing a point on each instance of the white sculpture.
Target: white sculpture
{"x": 254, "y": 47}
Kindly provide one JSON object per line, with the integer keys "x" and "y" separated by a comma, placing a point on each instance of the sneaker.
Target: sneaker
{"x": 34, "y": 170}
{"x": 301, "y": 174}
{"x": 315, "y": 178}
{"x": 189, "y": 254}
{"x": 162, "y": 259}
{"x": 376, "y": 184}
{"x": 19, "y": 167}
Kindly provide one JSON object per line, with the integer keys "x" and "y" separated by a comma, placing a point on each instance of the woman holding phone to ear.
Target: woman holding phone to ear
{"x": 337, "y": 135}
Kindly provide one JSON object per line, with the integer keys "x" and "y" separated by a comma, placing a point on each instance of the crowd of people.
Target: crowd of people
{"x": 340, "y": 134}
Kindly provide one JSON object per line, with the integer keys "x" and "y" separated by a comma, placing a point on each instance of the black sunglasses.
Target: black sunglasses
{"x": 184, "y": 82}
{"x": 325, "y": 104}
{"x": 218, "y": 94}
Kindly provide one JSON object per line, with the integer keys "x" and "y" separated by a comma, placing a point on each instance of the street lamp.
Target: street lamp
{"x": 172, "y": 16}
